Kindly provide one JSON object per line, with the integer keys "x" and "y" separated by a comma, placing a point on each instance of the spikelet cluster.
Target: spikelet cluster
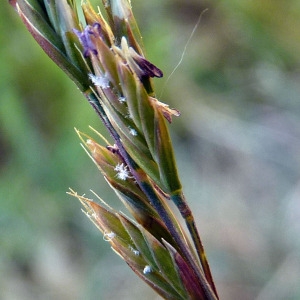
{"x": 105, "y": 59}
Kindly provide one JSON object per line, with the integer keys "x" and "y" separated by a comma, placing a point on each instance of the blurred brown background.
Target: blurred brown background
{"x": 237, "y": 144}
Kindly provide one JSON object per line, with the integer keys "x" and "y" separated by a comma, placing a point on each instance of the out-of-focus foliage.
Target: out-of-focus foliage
{"x": 237, "y": 144}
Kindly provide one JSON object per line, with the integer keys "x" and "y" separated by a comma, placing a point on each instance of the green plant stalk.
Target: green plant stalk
{"x": 187, "y": 215}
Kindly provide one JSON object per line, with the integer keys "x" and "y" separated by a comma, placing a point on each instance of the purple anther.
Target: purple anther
{"x": 85, "y": 38}
{"x": 148, "y": 68}
{"x": 144, "y": 67}
{"x": 97, "y": 27}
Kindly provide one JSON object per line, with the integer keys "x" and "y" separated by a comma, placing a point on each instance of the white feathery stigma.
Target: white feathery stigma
{"x": 108, "y": 236}
{"x": 147, "y": 269}
{"x": 100, "y": 81}
{"x": 132, "y": 131}
{"x": 122, "y": 171}
{"x": 122, "y": 99}
{"x": 135, "y": 252}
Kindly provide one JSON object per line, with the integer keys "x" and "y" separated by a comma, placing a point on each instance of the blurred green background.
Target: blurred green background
{"x": 237, "y": 143}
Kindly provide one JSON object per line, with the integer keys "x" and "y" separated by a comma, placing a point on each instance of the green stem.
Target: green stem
{"x": 186, "y": 213}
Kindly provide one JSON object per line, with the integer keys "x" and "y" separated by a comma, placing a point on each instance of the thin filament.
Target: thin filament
{"x": 184, "y": 50}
